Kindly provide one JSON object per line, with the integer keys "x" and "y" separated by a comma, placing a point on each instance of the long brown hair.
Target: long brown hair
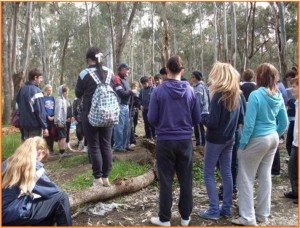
{"x": 21, "y": 166}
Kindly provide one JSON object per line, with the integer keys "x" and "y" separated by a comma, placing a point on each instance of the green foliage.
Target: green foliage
{"x": 198, "y": 172}
{"x": 10, "y": 143}
{"x": 120, "y": 169}
{"x": 74, "y": 161}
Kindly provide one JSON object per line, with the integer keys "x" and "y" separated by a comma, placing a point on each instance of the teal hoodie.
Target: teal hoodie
{"x": 265, "y": 115}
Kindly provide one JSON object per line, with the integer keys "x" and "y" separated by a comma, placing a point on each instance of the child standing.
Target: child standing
{"x": 144, "y": 97}
{"x": 221, "y": 122}
{"x": 49, "y": 102}
{"x": 173, "y": 110}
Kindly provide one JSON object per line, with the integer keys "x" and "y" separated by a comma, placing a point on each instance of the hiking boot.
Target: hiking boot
{"x": 156, "y": 221}
{"x": 209, "y": 215}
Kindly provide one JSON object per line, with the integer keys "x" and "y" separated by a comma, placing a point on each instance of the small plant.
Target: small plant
{"x": 198, "y": 172}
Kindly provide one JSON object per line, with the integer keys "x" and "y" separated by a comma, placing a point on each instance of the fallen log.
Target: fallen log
{"x": 118, "y": 187}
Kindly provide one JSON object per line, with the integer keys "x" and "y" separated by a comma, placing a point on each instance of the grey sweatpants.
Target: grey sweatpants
{"x": 256, "y": 158}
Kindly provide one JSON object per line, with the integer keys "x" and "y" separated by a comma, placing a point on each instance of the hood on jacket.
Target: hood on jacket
{"x": 59, "y": 90}
{"x": 274, "y": 101}
{"x": 175, "y": 88}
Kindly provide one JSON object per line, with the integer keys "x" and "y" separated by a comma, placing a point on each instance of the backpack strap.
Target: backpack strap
{"x": 94, "y": 76}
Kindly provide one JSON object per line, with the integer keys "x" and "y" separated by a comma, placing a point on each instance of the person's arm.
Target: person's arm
{"x": 249, "y": 120}
{"x": 58, "y": 107}
{"x": 282, "y": 120}
{"x": 119, "y": 88}
{"x": 153, "y": 111}
{"x": 39, "y": 109}
{"x": 212, "y": 119}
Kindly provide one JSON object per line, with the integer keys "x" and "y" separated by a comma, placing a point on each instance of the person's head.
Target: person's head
{"x": 224, "y": 78}
{"x": 294, "y": 84}
{"x": 163, "y": 73}
{"x": 175, "y": 66}
{"x": 196, "y": 76}
{"x": 47, "y": 90}
{"x": 248, "y": 75}
{"x": 145, "y": 81}
{"x": 151, "y": 80}
{"x": 267, "y": 76}
{"x": 94, "y": 57}
{"x": 21, "y": 166}
{"x": 35, "y": 76}
{"x": 290, "y": 74}
{"x": 123, "y": 70}
{"x": 134, "y": 85}
{"x": 63, "y": 90}
{"x": 157, "y": 79}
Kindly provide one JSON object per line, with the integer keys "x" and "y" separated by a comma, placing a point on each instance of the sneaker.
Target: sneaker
{"x": 224, "y": 213}
{"x": 209, "y": 215}
{"x": 132, "y": 145}
{"x": 85, "y": 149}
{"x": 129, "y": 149}
{"x": 290, "y": 195}
{"x": 185, "y": 222}
{"x": 105, "y": 182}
{"x": 237, "y": 221}
{"x": 97, "y": 182}
{"x": 156, "y": 221}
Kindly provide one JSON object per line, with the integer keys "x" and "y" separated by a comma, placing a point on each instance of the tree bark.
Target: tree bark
{"x": 119, "y": 187}
{"x": 215, "y": 33}
{"x": 166, "y": 46}
{"x": 112, "y": 35}
{"x": 225, "y": 40}
{"x": 89, "y": 24}
{"x": 233, "y": 35}
{"x": 66, "y": 43}
{"x": 282, "y": 45}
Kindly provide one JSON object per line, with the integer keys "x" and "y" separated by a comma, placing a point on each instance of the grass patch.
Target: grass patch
{"x": 120, "y": 169}
{"x": 74, "y": 161}
{"x": 10, "y": 143}
{"x": 198, "y": 172}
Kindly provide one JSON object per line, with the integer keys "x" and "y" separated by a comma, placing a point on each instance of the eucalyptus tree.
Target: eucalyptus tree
{"x": 233, "y": 34}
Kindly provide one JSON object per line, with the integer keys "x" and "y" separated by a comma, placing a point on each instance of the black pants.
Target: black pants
{"x": 276, "y": 163}
{"x": 79, "y": 131}
{"x": 29, "y": 133}
{"x": 199, "y": 132}
{"x": 290, "y": 137}
{"x": 68, "y": 126}
{"x": 50, "y": 139}
{"x": 293, "y": 170}
{"x": 47, "y": 212}
{"x": 149, "y": 130}
{"x": 99, "y": 147}
{"x": 175, "y": 157}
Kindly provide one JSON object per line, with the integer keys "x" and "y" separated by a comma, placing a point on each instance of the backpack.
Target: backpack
{"x": 105, "y": 108}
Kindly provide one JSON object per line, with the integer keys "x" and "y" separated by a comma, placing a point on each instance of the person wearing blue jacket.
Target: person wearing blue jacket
{"x": 265, "y": 121}
{"x": 30, "y": 100}
{"x": 225, "y": 112}
{"x": 29, "y": 197}
{"x": 173, "y": 110}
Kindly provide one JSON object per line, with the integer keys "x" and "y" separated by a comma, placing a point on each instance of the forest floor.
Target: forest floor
{"x": 136, "y": 209}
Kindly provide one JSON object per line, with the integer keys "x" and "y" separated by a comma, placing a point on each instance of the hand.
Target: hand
{"x": 134, "y": 91}
{"x": 45, "y": 132}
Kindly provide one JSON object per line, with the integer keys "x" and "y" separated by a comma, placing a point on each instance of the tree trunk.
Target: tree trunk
{"x": 152, "y": 39}
{"x": 233, "y": 35}
{"x": 42, "y": 47}
{"x": 112, "y": 35}
{"x": 120, "y": 38}
{"x": 166, "y": 43}
{"x": 129, "y": 185}
{"x": 5, "y": 70}
{"x": 215, "y": 33}
{"x": 225, "y": 33}
{"x": 66, "y": 43}
{"x": 89, "y": 24}
{"x": 282, "y": 44}
{"x": 201, "y": 37}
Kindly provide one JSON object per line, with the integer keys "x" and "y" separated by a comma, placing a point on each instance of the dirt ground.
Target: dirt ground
{"x": 137, "y": 208}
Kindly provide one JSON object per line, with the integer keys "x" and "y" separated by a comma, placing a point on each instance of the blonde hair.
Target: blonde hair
{"x": 46, "y": 87}
{"x": 21, "y": 166}
{"x": 224, "y": 79}
{"x": 134, "y": 84}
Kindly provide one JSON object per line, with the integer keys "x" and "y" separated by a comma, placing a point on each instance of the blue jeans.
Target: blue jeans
{"x": 213, "y": 154}
{"x": 121, "y": 130}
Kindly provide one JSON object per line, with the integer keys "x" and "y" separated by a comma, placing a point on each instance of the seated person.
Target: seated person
{"x": 28, "y": 195}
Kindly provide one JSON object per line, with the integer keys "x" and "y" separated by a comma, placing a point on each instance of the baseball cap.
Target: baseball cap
{"x": 123, "y": 65}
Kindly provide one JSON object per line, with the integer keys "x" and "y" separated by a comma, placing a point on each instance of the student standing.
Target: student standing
{"x": 221, "y": 122}
{"x": 265, "y": 121}
{"x": 49, "y": 102}
{"x": 173, "y": 111}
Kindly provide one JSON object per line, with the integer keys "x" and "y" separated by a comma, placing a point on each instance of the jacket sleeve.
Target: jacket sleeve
{"x": 119, "y": 88}
{"x": 45, "y": 187}
{"x": 58, "y": 107}
{"x": 39, "y": 109}
{"x": 153, "y": 111}
{"x": 249, "y": 121}
{"x": 212, "y": 119}
{"x": 282, "y": 120}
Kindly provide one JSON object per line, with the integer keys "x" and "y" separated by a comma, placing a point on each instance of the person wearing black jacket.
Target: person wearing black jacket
{"x": 30, "y": 100}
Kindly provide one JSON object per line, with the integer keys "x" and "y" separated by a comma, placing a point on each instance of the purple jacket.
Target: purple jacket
{"x": 173, "y": 110}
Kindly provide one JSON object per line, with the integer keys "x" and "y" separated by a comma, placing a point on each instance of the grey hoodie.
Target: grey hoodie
{"x": 60, "y": 115}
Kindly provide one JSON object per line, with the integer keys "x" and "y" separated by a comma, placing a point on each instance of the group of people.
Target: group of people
{"x": 232, "y": 131}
